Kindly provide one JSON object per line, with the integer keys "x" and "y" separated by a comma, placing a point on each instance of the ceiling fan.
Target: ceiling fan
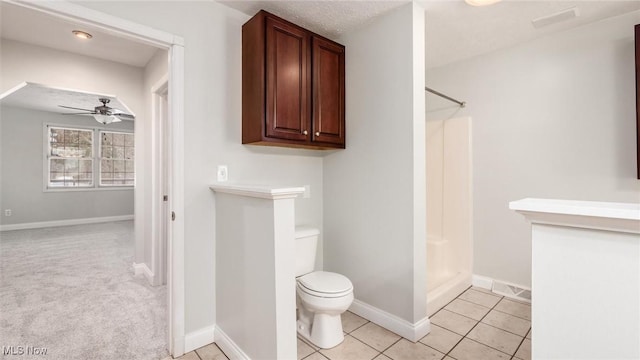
{"x": 102, "y": 113}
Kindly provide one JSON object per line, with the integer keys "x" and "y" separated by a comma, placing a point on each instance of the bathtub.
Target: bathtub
{"x": 445, "y": 279}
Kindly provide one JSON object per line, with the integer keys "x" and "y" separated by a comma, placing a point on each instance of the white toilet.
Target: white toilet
{"x": 322, "y": 296}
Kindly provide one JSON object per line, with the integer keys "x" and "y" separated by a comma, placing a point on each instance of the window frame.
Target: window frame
{"x": 99, "y": 133}
{"x": 96, "y": 148}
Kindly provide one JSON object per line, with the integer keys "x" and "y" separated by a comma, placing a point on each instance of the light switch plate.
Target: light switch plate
{"x": 223, "y": 173}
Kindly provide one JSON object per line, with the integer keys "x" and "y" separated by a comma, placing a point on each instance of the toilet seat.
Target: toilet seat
{"x": 325, "y": 284}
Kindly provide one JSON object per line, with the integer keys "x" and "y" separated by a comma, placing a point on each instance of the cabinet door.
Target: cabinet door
{"x": 287, "y": 64}
{"x": 328, "y": 92}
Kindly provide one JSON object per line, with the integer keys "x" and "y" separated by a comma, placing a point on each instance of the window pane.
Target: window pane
{"x": 118, "y": 152}
{"x": 56, "y": 165}
{"x": 106, "y": 176}
{"x": 106, "y": 166}
{"x": 118, "y": 166}
{"x": 85, "y": 137}
{"x": 118, "y": 139}
{"x": 128, "y": 140}
{"x": 129, "y": 153}
{"x": 129, "y": 166}
{"x": 106, "y": 151}
{"x": 85, "y": 150}
{"x": 107, "y": 138}
{"x": 70, "y": 165}
{"x": 56, "y": 179}
{"x": 86, "y": 166}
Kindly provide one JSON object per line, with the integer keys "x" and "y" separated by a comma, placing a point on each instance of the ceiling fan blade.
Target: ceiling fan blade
{"x": 82, "y": 113}
{"x": 124, "y": 116}
{"x": 75, "y": 108}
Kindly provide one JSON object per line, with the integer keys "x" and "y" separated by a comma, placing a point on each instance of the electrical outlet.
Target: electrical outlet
{"x": 223, "y": 173}
{"x": 8, "y": 212}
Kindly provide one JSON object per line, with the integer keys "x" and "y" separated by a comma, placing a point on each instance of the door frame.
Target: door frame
{"x": 175, "y": 45}
{"x": 161, "y": 183}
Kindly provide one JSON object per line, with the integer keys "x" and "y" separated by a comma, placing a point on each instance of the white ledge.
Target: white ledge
{"x": 623, "y": 217}
{"x": 258, "y": 191}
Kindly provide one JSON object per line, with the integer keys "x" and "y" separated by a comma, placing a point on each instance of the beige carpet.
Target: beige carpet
{"x": 72, "y": 291}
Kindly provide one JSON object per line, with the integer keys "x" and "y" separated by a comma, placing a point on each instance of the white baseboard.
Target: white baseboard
{"x": 199, "y": 338}
{"x": 143, "y": 269}
{"x": 482, "y": 281}
{"x": 44, "y": 224}
{"x": 228, "y": 346}
{"x": 402, "y": 327}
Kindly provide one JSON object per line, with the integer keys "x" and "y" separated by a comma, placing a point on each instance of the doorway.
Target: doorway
{"x": 172, "y": 252}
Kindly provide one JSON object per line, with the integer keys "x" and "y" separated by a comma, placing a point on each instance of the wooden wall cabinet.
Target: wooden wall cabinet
{"x": 292, "y": 86}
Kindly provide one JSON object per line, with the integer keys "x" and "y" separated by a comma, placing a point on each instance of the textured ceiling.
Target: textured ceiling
{"x": 327, "y": 18}
{"x": 46, "y": 98}
{"x": 454, "y": 30}
{"x": 33, "y": 27}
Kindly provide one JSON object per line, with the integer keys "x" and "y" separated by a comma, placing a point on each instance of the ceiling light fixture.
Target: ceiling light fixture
{"x": 106, "y": 119}
{"x": 481, "y": 2}
{"x": 82, "y": 34}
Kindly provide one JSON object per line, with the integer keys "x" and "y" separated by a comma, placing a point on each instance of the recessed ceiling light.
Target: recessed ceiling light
{"x": 481, "y": 2}
{"x": 82, "y": 34}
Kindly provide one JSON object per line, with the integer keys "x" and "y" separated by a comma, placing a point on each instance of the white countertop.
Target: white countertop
{"x": 585, "y": 214}
{"x": 258, "y": 191}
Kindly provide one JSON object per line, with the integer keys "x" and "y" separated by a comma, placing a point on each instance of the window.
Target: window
{"x": 75, "y": 160}
{"x": 70, "y": 157}
{"x": 116, "y": 159}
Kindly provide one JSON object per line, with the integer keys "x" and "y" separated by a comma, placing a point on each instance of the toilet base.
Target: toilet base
{"x": 325, "y": 331}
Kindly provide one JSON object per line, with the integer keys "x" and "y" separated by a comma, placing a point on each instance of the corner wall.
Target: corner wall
{"x": 552, "y": 118}
{"x": 375, "y": 206}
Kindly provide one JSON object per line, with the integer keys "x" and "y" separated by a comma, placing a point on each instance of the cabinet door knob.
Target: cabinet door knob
{"x": 317, "y": 133}
{"x": 305, "y": 132}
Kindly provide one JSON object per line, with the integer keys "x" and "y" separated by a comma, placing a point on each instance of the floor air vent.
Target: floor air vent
{"x": 511, "y": 291}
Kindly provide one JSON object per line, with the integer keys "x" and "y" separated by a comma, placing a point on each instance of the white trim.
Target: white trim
{"x": 105, "y": 22}
{"x": 228, "y": 346}
{"x": 175, "y": 253}
{"x": 45, "y": 224}
{"x": 159, "y": 208}
{"x": 143, "y": 269}
{"x": 138, "y": 32}
{"x": 258, "y": 191}
{"x": 402, "y": 327}
{"x": 199, "y": 338}
{"x": 482, "y": 282}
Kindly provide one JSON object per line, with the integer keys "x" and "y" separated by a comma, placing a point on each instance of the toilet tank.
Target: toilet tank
{"x": 306, "y": 243}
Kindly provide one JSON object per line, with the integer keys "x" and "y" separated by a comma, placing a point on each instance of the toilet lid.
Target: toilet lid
{"x": 325, "y": 282}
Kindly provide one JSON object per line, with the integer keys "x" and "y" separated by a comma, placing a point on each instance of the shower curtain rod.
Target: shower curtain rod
{"x": 461, "y": 103}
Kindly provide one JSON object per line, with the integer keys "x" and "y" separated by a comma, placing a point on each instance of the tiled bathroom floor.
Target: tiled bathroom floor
{"x": 478, "y": 325}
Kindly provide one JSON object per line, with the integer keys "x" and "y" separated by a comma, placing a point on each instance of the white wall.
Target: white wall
{"x": 212, "y": 35}
{"x": 552, "y": 118}
{"x": 22, "y": 173}
{"x": 374, "y": 206}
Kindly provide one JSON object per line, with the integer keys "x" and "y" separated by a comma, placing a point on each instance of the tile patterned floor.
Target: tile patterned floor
{"x": 478, "y": 325}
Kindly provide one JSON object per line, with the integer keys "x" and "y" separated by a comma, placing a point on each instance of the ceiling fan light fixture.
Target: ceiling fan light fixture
{"x": 481, "y": 2}
{"x": 82, "y": 34}
{"x": 106, "y": 119}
